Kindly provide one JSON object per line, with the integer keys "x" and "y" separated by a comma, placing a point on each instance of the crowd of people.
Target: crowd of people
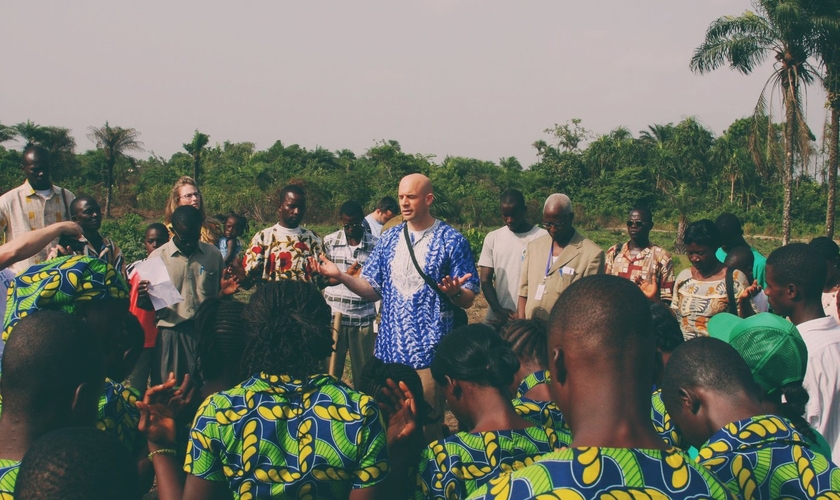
{"x": 595, "y": 374}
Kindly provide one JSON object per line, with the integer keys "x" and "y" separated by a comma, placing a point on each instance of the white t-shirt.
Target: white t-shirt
{"x": 375, "y": 225}
{"x": 822, "y": 379}
{"x": 504, "y": 251}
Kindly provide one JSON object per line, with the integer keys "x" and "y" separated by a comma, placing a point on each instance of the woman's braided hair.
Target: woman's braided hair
{"x": 288, "y": 330}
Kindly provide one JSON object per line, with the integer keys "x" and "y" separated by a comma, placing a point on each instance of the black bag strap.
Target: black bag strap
{"x": 429, "y": 281}
{"x": 730, "y": 291}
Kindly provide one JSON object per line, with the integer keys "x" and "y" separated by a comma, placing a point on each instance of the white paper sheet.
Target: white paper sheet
{"x": 161, "y": 290}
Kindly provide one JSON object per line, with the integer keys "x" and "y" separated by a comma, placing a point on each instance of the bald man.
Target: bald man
{"x": 556, "y": 260}
{"x": 415, "y": 316}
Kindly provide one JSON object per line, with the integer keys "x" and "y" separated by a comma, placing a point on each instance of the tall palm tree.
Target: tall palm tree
{"x": 114, "y": 142}
{"x": 827, "y": 48}
{"x": 195, "y": 148}
{"x": 781, "y": 29}
{"x": 7, "y": 133}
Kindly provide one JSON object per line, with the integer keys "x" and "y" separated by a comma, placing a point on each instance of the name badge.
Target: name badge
{"x": 540, "y": 292}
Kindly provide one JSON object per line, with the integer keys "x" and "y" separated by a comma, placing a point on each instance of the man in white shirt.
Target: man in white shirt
{"x": 35, "y": 204}
{"x": 386, "y": 210}
{"x": 501, "y": 257}
{"x": 795, "y": 275}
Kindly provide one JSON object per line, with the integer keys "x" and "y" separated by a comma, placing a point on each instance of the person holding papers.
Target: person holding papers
{"x": 197, "y": 271}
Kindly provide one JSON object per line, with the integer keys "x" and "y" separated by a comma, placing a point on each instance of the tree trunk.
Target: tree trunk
{"x": 787, "y": 177}
{"x": 110, "y": 184}
{"x": 731, "y": 189}
{"x": 834, "y": 133}
{"x": 679, "y": 244}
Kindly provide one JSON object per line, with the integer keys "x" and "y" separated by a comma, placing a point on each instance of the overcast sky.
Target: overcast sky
{"x": 469, "y": 78}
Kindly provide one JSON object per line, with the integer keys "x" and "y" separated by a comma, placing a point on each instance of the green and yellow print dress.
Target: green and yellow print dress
{"x": 455, "y": 466}
{"x": 118, "y": 414}
{"x": 662, "y": 423}
{"x": 274, "y": 437}
{"x": 544, "y": 413}
{"x": 8, "y": 477}
{"x": 607, "y": 473}
{"x": 765, "y": 457}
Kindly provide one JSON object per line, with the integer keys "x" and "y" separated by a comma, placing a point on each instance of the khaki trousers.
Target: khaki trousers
{"x": 359, "y": 340}
{"x": 433, "y": 395}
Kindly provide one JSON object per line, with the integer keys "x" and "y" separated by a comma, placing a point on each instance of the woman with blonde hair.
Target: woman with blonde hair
{"x": 186, "y": 192}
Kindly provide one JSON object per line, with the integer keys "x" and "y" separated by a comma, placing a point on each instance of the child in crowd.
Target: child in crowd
{"x": 287, "y": 431}
{"x": 77, "y": 463}
{"x": 602, "y": 357}
{"x": 155, "y": 236}
{"x": 475, "y": 368}
{"x": 531, "y": 397}
{"x": 711, "y": 395}
{"x": 53, "y": 368}
{"x": 229, "y": 244}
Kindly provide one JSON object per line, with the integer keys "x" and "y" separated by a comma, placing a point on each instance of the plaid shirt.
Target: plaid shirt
{"x": 22, "y": 210}
{"x": 354, "y": 310}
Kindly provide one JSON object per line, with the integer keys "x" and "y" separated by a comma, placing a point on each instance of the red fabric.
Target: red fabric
{"x": 146, "y": 318}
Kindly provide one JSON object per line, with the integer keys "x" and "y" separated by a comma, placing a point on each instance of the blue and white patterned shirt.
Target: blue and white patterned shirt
{"x": 414, "y": 318}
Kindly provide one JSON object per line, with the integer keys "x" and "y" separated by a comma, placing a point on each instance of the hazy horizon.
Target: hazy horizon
{"x": 460, "y": 77}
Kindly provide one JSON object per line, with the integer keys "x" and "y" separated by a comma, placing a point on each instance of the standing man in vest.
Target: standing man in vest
{"x": 415, "y": 316}
{"x": 35, "y": 204}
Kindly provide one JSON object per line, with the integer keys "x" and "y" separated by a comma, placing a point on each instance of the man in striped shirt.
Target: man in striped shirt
{"x": 35, "y": 204}
{"x": 349, "y": 248}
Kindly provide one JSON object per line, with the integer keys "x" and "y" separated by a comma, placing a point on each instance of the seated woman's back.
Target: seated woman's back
{"x": 286, "y": 432}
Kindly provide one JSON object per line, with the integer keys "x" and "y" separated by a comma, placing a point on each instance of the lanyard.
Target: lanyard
{"x": 548, "y": 261}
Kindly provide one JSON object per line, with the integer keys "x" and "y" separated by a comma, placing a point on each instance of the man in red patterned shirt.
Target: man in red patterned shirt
{"x": 642, "y": 262}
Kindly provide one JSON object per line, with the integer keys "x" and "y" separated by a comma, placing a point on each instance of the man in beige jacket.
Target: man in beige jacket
{"x": 556, "y": 260}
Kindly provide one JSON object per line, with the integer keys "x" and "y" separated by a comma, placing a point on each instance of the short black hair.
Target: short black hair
{"x": 49, "y": 353}
{"x": 708, "y": 363}
{"x": 644, "y": 212}
{"x": 826, "y": 247}
{"x": 78, "y": 200}
{"x": 740, "y": 258}
{"x": 288, "y": 329}
{"x": 528, "y": 339}
{"x": 703, "y": 232}
{"x": 729, "y": 224}
{"x": 799, "y": 264}
{"x": 475, "y": 353}
{"x": 157, "y": 226}
{"x": 375, "y": 374}
{"x": 605, "y": 316}
{"x": 388, "y": 204}
{"x": 666, "y": 327}
{"x": 32, "y": 147}
{"x": 187, "y": 216}
{"x": 218, "y": 326}
{"x": 291, "y": 188}
{"x": 512, "y": 197}
{"x": 240, "y": 219}
{"x": 351, "y": 209}
{"x": 77, "y": 463}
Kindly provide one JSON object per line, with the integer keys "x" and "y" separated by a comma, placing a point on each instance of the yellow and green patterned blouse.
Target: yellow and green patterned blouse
{"x": 274, "y": 437}
{"x": 765, "y": 457}
{"x": 584, "y": 473}
{"x": 455, "y": 466}
{"x": 118, "y": 413}
{"x": 8, "y": 476}
{"x": 544, "y": 413}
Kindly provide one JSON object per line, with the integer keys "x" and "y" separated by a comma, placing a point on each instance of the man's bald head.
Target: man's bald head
{"x": 418, "y": 182}
{"x": 415, "y": 198}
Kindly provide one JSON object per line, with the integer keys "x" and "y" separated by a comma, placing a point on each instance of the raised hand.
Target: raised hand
{"x": 451, "y": 286}
{"x": 750, "y": 292}
{"x": 649, "y": 287}
{"x": 323, "y": 266}
{"x": 230, "y": 282}
{"x": 400, "y": 413}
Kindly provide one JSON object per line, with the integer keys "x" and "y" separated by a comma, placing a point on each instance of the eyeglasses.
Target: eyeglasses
{"x": 351, "y": 226}
{"x": 190, "y": 196}
{"x": 635, "y": 223}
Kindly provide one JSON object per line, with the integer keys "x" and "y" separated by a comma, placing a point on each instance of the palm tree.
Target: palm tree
{"x": 6, "y": 133}
{"x": 827, "y": 48}
{"x": 780, "y": 28}
{"x": 114, "y": 142}
{"x": 195, "y": 148}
